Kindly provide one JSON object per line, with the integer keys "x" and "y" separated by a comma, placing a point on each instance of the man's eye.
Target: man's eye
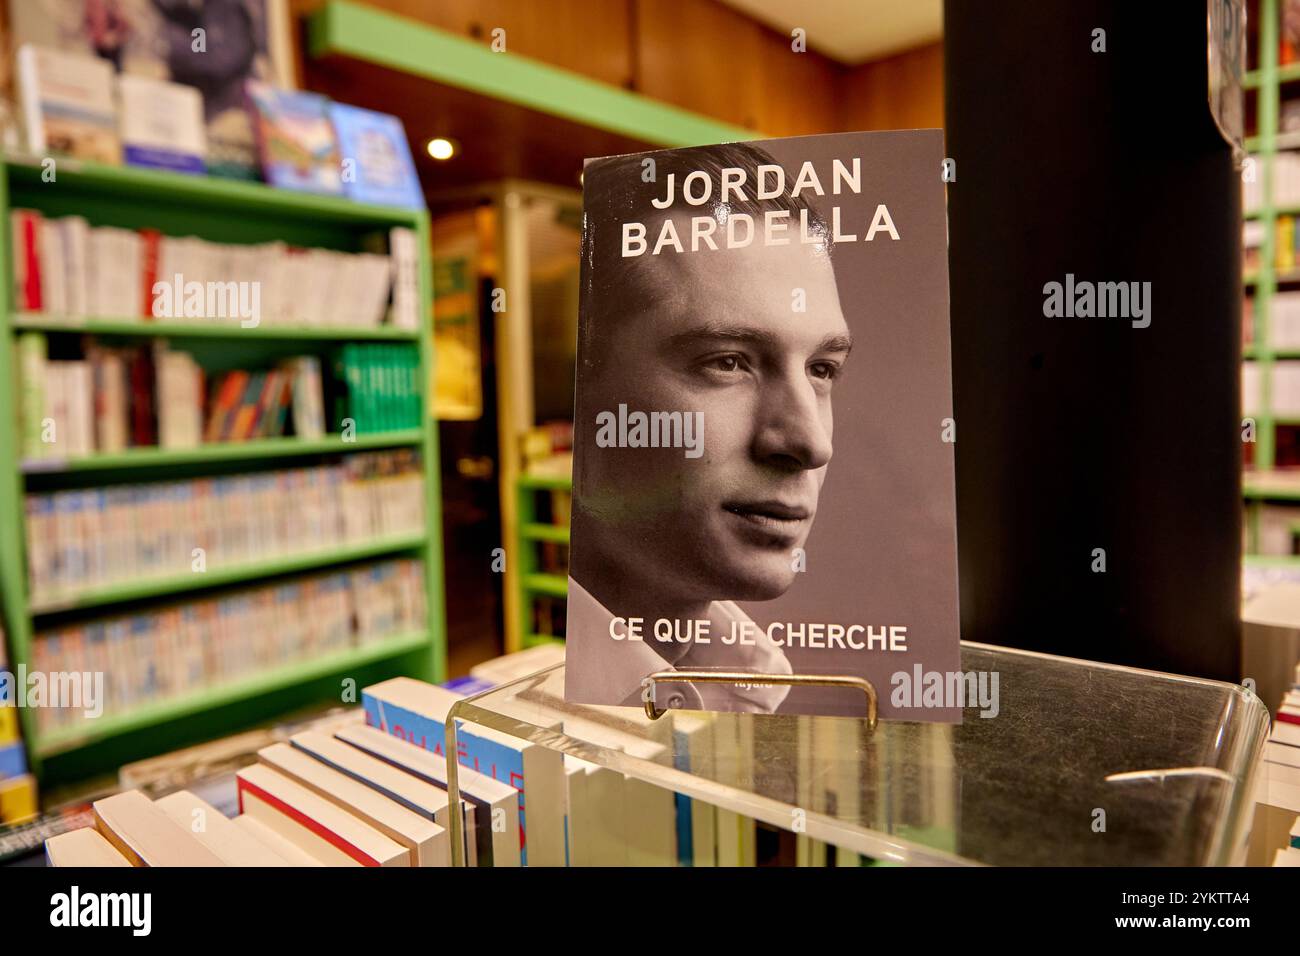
{"x": 723, "y": 363}
{"x": 824, "y": 370}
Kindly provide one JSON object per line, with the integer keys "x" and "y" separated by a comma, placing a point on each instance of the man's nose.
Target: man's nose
{"x": 792, "y": 432}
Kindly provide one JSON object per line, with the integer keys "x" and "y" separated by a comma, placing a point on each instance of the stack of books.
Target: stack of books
{"x": 1282, "y": 752}
{"x": 166, "y": 652}
{"x": 347, "y": 793}
{"x": 18, "y": 802}
{"x": 67, "y": 270}
{"x": 83, "y": 539}
{"x": 341, "y": 795}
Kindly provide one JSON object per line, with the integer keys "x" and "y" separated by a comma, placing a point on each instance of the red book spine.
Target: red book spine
{"x": 142, "y": 399}
{"x": 242, "y": 786}
{"x": 150, "y": 239}
{"x": 32, "y": 258}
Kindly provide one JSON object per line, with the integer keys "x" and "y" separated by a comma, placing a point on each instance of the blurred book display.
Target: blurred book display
{"x": 67, "y": 270}
{"x": 88, "y": 539}
{"x": 167, "y": 652}
{"x": 220, "y": 452}
{"x": 170, "y": 42}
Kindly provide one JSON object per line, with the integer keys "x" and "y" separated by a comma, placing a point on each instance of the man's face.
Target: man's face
{"x": 723, "y": 338}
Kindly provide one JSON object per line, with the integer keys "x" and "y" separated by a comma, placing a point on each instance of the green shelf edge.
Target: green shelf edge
{"x": 210, "y": 330}
{"x": 223, "y": 451}
{"x": 553, "y": 585}
{"x": 343, "y": 28}
{"x": 1272, "y": 560}
{"x": 152, "y": 184}
{"x": 300, "y": 672}
{"x": 247, "y": 571}
{"x": 545, "y": 482}
{"x": 536, "y": 531}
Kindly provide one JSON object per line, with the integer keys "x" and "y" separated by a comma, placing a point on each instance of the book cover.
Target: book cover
{"x": 162, "y": 125}
{"x": 295, "y": 139}
{"x": 763, "y": 447}
{"x": 67, "y": 104}
{"x": 376, "y": 156}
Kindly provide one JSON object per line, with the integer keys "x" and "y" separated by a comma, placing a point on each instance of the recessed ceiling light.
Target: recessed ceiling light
{"x": 440, "y": 148}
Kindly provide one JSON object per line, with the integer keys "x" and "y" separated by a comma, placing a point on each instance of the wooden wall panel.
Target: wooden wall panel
{"x": 701, "y": 56}
{"x": 798, "y": 92}
{"x": 904, "y": 91}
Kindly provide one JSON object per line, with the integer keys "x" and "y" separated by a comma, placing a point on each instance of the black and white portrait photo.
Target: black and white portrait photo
{"x": 721, "y": 329}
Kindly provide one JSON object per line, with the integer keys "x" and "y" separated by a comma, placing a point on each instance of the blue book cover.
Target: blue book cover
{"x": 13, "y": 761}
{"x": 488, "y": 757}
{"x": 376, "y": 158}
{"x": 295, "y": 139}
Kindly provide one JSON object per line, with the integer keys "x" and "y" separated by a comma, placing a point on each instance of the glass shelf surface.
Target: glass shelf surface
{"x": 1084, "y": 764}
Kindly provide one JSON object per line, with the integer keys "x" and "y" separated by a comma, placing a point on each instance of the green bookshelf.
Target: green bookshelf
{"x": 1261, "y": 485}
{"x": 220, "y": 211}
{"x": 535, "y": 584}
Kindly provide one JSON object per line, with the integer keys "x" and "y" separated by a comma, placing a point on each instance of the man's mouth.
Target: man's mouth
{"x": 778, "y": 516}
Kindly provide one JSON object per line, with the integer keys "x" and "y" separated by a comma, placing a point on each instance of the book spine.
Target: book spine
{"x": 404, "y": 252}
{"x": 32, "y": 350}
{"x": 150, "y": 254}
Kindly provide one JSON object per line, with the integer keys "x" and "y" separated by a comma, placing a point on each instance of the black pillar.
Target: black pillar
{"x": 1079, "y": 434}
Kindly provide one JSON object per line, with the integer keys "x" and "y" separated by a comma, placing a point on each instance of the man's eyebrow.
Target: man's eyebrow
{"x": 737, "y": 333}
{"x": 835, "y": 342}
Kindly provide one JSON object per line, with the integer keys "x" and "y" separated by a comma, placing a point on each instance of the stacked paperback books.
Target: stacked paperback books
{"x": 66, "y": 269}
{"x": 340, "y": 795}
{"x": 347, "y": 793}
{"x": 166, "y": 652}
{"x": 17, "y": 786}
{"x": 83, "y": 539}
{"x": 1279, "y": 784}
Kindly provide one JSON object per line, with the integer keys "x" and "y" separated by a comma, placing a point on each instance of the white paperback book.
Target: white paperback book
{"x": 67, "y": 104}
{"x": 161, "y": 124}
{"x": 495, "y": 834}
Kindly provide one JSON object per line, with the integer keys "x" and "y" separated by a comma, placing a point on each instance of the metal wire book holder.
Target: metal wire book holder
{"x": 651, "y": 682}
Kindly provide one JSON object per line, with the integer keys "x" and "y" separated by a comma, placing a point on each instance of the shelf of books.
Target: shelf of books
{"x": 1270, "y": 378}
{"x": 220, "y": 478}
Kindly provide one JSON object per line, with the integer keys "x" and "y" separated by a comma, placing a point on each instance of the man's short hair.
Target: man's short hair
{"x": 615, "y": 191}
